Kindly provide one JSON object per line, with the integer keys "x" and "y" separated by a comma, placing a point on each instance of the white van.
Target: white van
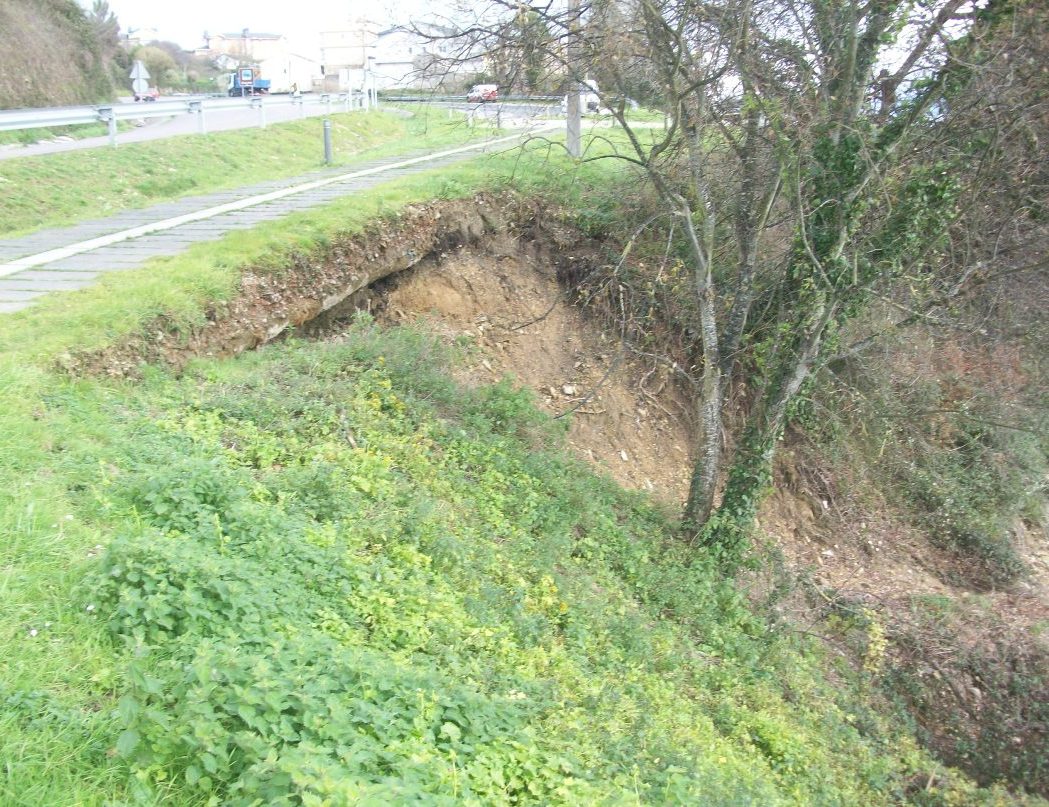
{"x": 588, "y": 98}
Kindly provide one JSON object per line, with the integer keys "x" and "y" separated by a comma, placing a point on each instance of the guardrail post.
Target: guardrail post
{"x": 110, "y": 117}
{"x": 197, "y": 107}
{"x": 257, "y": 104}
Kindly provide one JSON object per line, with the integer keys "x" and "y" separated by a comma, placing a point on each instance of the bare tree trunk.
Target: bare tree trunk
{"x": 751, "y": 473}
{"x": 707, "y": 464}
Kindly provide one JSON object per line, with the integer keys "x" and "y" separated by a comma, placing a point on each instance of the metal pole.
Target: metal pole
{"x": 327, "y": 142}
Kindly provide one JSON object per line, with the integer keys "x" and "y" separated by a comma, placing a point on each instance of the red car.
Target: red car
{"x": 483, "y": 93}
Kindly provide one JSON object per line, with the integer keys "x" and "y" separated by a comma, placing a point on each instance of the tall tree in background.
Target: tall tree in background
{"x": 104, "y": 23}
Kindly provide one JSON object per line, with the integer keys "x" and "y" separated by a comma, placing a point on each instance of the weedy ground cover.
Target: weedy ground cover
{"x": 324, "y": 572}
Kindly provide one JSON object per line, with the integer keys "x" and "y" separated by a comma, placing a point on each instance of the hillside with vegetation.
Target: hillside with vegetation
{"x": 54, "y": 53}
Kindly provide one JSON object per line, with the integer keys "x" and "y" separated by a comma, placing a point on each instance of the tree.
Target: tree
{"x": 158, "y": 62}
{"x": 816, "y": 111}
{"x": 105, "y": 25}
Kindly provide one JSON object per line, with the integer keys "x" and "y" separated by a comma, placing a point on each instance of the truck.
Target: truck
{"x": 245, "y": 81}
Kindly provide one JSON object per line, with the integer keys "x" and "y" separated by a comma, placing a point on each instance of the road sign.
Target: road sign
{"x": 138, "y": 71}
{"x": 140, "y": 86}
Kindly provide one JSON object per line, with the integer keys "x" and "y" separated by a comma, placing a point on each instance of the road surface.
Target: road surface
{"x": 159, "y": 128}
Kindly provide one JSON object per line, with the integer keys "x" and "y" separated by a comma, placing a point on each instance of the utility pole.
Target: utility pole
{"x": 573, "y": 135}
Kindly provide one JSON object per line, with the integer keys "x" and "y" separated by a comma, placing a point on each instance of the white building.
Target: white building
{"x": 345, "y": 49}
{"x": 249, "y": 47}
{"x": 419, "y": 59}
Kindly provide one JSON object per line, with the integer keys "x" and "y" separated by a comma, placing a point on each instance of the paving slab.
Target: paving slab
{"x": 48, "y": 274}
{"x": 10, "y": 297}
{"x": 50, "y": 284}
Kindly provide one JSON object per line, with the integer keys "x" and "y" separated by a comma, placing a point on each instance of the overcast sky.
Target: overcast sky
{"x": 184, "y": 21}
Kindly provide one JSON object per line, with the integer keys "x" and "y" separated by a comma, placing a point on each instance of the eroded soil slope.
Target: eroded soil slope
{"x": 506, "y": 302}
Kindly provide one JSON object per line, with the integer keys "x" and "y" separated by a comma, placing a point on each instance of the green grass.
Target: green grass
{"x": 61, "y": 189}
{"x": 77, "y": 132}
{"x": 325, "y": 572}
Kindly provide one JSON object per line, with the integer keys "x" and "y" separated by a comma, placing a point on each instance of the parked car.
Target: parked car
{"x": 483, "y": 93}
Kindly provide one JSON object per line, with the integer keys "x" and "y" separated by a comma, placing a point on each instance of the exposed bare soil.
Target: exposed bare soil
{"x": 625, "y": 417}
{"x": 487, "y": 269}
{"x": 268, "y": 304}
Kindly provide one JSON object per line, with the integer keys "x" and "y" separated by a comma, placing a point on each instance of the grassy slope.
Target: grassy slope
{"x": 495, "y": 622}
{"x": 60, "y": 189}
{"x": 76, "y": 131}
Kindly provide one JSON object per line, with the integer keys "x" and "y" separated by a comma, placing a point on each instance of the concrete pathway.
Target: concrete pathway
{"x": 71, "y": 258}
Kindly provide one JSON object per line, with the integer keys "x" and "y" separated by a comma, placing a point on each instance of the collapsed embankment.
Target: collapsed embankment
{"x": 486, "y": 271}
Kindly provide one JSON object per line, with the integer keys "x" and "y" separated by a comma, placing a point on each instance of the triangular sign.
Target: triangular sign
{"x": 139, "y": 70}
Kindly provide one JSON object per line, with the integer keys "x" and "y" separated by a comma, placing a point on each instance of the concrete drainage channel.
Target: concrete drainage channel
{"x": 66, "y": 260}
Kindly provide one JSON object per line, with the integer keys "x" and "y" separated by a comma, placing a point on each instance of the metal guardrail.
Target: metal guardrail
{"x": 111, "y": 114}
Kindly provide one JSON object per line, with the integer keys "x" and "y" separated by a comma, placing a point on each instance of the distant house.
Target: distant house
{"x": 270, "y": 53}
{"x": 223, "y": 61}
{"x": 345, "y": 49}
{"x": 289, "y": 71}
{"x": 139, "y": 36}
